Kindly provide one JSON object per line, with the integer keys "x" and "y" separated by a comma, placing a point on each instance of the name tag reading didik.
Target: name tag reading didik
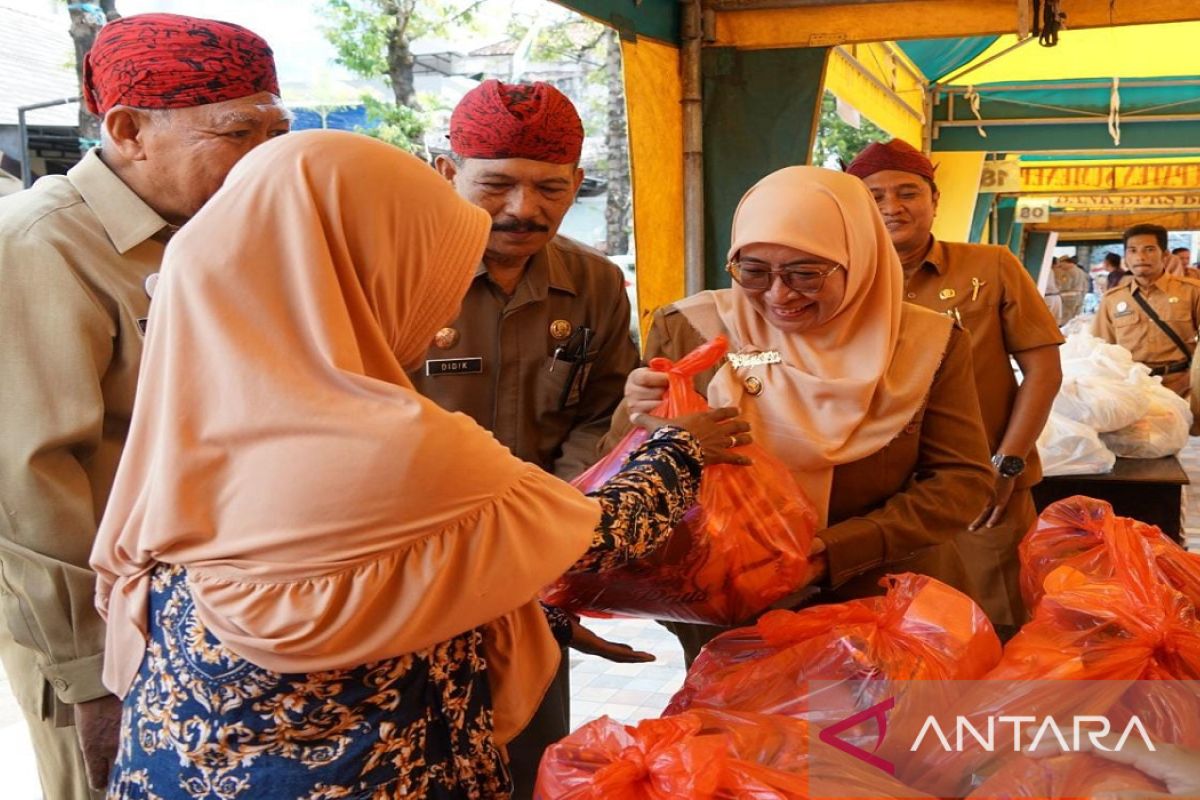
{"x": 453, "y": 366}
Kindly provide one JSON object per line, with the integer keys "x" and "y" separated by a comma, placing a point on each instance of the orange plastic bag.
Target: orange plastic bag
{"x": 1076, "y": 775}
{"x": 921, "y": 629}
{"x": 1071, "y": 533}
{"x": 1134, "y": 640}
{"x": 743, "y": 547}
{"x": 704, "y": 755}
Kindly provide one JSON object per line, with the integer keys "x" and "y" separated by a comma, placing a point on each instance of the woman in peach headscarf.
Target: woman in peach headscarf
{"x": 869, "y": 400}
{"x": 318, "y": 583}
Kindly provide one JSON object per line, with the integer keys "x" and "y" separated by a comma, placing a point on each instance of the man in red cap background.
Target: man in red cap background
{"x": 541, "y": 349}
{"x": 182, "y": 100}
{"x": 987, "y": 290}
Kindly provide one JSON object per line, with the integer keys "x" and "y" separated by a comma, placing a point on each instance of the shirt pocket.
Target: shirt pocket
{"x": 1179, "y": 318}
{"x": 562, "y": 383}
{"x": 1129, "y": 320}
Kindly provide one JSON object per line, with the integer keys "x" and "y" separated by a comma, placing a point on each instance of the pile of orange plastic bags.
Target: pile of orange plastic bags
{"x": 920, "y": 630}
{"x": 1115, "y": 633}
{"x": 1072, "y": 533}
{"x": 705, "y": 755}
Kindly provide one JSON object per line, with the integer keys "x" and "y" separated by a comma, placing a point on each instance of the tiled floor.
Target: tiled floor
{"x": 625, "y": 692}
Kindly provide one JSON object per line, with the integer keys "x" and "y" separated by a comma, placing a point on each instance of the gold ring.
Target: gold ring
{"x": 733, "y": 442}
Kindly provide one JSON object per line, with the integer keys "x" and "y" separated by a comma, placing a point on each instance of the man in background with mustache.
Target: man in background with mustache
{"x": 541, "y": 348}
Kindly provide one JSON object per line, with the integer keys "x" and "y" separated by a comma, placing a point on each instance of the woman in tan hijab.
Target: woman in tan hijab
{"x": 317, "y": 583}
{"x": 869, "y": 400}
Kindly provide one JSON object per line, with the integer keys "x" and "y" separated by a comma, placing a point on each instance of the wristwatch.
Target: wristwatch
{"x": 1008, "y": 466}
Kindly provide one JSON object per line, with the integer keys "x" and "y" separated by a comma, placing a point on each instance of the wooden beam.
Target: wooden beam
{"x": 1116, "y": 223}
{"x": 847, "y": 22}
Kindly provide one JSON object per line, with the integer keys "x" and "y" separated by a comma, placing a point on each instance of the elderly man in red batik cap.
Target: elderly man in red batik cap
{"x": 985, "y": 289}
{"x": 182, "y": 99}
{"x": 540, "y": 352}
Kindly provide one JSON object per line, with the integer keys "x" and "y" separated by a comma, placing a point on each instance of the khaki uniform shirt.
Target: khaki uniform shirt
{"x": 75, "y": 252}
{"x": 1072, "y": 286}
{"x": 1006, "y": 315}
{"x": 1120, "y": 320}
{"x": 896, "y": 510}
{"x": 500, "y": 366}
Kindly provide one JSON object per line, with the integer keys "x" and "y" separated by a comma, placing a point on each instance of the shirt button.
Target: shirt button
{"x": 60, "y": 684}
{"x": 911, "y": 295}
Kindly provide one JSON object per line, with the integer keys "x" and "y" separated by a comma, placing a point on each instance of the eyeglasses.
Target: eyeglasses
{"x": 757, "y": 277}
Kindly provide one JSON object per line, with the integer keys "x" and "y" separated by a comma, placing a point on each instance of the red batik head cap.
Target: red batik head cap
{"x": 501, "y": 120}
{"x": 173, "y": 61}
{"x": 896, "y": 154}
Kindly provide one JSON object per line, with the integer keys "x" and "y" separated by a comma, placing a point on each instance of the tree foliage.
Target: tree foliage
{"x": 86, "y": 21}
{"x": 838, "y": 139}
{"x": 373, "y": 39}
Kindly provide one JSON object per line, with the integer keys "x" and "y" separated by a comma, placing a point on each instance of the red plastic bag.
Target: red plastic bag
{"x": 704, "y": 755}
{"x": 1071, "y": 533}
{"x": 743, "y": 547}
{"x": 1076, "y": 775}
{"x": 920, "y": 630}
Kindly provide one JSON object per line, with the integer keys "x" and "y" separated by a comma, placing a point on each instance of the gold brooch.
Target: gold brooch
{"x": 741, "y": 360}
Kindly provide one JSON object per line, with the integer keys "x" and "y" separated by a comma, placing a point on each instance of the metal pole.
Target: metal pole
{"x": 23, "y": 134}
{"x": 1088, "y": 120}
{"x": 1138, "y": 83}
{"x": 23, "y": 137}
{"x": 693, "y": 147}
{"x": 958, "y": 76}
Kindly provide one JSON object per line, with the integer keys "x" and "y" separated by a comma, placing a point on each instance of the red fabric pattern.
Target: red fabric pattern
{"x": 500, "y": 120}
{"x": 173, "y": 61}
{"x": 896, "y": 154}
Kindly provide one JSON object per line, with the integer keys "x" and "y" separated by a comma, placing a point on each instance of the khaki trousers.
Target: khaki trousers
{"x": 59, "y": 760}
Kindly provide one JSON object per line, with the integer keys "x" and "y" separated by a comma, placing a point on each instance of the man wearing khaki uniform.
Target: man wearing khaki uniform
{"x": 1123, "y": 317}
{"x": 986, "y": 289}
{"x": 540, "y": 351}
{"x": 77, "y": 258}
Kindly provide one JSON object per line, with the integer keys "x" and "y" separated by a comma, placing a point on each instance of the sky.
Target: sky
{"x": 292, "y": 27}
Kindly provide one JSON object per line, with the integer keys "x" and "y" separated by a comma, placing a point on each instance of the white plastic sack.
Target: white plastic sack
{"x": 1067, "y": 447}
{"x": 1083, "y": 355}
{"x": 1102, "y": 403}
{"x": 1162, "y": 431}
{"x": 1082, "y": 324}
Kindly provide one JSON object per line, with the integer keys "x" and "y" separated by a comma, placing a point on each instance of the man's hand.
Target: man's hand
{"x": 98, "y": 725}
{"x": 1175, "y": 265}
{"x": 993, "y": 514}
{"x": 644, "y": 390}
{"x": 585, "y": 641}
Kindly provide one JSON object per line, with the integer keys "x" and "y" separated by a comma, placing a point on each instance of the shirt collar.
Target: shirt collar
{"x": 544, "y": 271}
{"x": 125, "y": 217}
{"x": 936, "y": 258}
{"x": 1159, "y": 285}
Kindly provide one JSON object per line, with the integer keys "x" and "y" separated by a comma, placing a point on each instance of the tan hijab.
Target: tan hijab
{"x": 328, "y": 515}
{"x": 845, "y": 389}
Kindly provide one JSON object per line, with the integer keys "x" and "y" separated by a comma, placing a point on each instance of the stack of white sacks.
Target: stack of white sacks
{"x": 1109, "y": 406}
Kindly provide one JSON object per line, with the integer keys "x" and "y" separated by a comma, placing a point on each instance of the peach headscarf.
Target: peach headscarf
{"x": 328, "y": 515}
{"x": 844, "y": 390}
